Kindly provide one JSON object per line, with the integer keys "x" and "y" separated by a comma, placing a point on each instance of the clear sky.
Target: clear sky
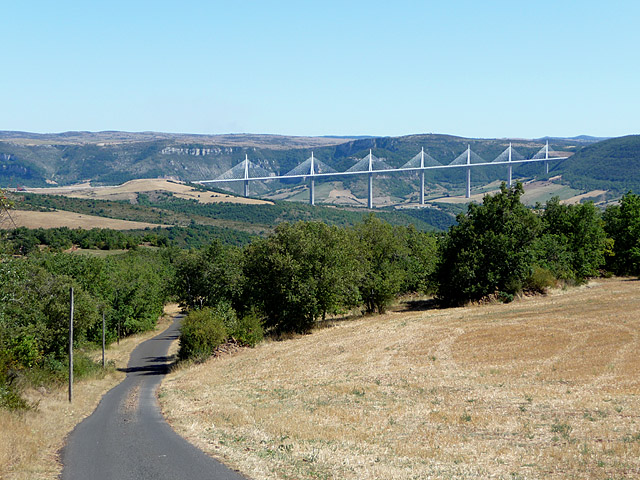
{"x": 468, "y": 68}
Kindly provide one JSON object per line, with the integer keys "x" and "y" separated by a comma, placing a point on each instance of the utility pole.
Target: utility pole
{"x": 103, "y": 342}
{"x": 70, "y": 344}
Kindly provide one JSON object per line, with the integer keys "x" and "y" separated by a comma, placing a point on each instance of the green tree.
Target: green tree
{"x": 573, "y": 241}
{"x": 489, "y": 251}
{"x": 622, "y": 224}
{"x": 206, "y": 277}
{"x": 299, "y": 274}
{"x": 383, "y": 255}
{"x": 421, "y": 259}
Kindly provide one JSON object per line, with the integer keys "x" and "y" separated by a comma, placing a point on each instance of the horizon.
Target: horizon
{"x": 357, "y": 136}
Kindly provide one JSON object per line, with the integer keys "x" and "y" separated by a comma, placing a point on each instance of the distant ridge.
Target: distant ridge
{"x": 612, "y": 164}
{"x": 579, "y": 138}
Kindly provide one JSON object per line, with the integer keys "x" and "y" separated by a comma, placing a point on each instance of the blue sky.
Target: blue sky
{"x": 468, "y": 68}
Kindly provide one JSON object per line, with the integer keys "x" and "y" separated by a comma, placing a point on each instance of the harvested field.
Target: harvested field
{"x": 129, "y": 191}
{"x": 544, "y": 387}
{"x": 61, "y": 218}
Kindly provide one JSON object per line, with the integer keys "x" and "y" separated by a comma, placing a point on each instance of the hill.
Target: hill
{"x": 612, "y": 164}
{"x": 107, "y": 158}
{"x": 193, "y": 213}
{"x": 544, "y": 387}
{"x": 110, "y": 158}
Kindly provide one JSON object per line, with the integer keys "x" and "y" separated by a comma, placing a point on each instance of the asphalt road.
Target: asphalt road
{"x": 127, "y": 437}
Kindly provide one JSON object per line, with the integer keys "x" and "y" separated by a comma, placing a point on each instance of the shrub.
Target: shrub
{"x": 10, "y": 398}
{"x": 505, "y": 297}
{"x": 248, "y": 330}
{"x": 539, "y": 281}
{"x": 201, "y": 332}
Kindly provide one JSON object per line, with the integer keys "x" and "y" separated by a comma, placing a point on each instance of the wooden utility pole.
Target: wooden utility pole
{"x": 71, "y": 345}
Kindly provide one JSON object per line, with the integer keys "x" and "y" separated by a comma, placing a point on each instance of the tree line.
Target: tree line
{"x": 305, "y": 271}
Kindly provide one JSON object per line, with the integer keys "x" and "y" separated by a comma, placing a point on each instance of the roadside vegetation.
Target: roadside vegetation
{"x": 129, "y": 289}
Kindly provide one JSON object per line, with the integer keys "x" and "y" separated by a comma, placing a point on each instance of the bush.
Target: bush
{"x": 539, "y": 281}
{"x": 10, "y": 398}
{"x": 248, "y": 330}
{"x": 201, "y": 333}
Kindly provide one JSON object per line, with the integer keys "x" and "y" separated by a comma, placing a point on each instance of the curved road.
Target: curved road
{"x": 127, "y": 437}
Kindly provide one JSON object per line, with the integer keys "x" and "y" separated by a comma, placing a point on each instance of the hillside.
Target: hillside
{"x": 111, "y": 158}
{"x": 196, "y": 208}
{"x": 115, "y": 157}
{"x": 612, "y": 164}
{"x": 544, "y": 387}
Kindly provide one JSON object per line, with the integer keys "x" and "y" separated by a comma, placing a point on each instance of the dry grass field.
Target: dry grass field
{"x": 130, "y": 190}
{"x": 544, "y": 387}
{"x": 30, "y": 441}
{"x": 61, "y": 218}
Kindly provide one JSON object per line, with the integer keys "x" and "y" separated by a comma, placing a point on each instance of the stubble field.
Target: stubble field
{"x": 545, "y": 387}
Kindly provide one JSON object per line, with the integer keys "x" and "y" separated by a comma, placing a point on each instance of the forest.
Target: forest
{"x": 288, "y": 281}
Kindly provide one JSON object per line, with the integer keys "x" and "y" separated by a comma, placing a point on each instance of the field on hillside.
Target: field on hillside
{"x": 544, "y": 387}
{"x": 129, "y": 191}
{"x": 61, "y": 218}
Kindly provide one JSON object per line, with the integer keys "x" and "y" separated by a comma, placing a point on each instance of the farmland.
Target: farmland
{"x": 544, "y": 387}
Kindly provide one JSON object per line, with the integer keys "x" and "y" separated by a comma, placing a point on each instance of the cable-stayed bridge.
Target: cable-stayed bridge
{"x": 312, "y": 168}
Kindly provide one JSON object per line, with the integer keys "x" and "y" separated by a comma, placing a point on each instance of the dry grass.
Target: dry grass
{"x": 130, "y": 189}
{"x": 31, "y": 440}
{"x": 61, "y": 218}
{"x": 545, "y": 387}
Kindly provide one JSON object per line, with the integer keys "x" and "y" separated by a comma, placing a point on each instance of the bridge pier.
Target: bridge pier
{"x": 468, "y": 192}
{"x": 422, "y": 187}
{"x": 246, "y": 188}
{"x": 510, "y": 171}
{"x": 370, "y": 199}
{"x": 546, "y": 157}
{"x": 312, "y": 195}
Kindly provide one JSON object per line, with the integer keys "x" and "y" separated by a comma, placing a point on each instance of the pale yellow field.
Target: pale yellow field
{"x": 545, "y": 387}
{"x": 130, "y": 189}
{"x": 61, "y": 218}
{"x": 30, "y": 441}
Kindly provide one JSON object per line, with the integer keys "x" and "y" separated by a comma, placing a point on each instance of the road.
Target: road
{"x": 127, "y": 437}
